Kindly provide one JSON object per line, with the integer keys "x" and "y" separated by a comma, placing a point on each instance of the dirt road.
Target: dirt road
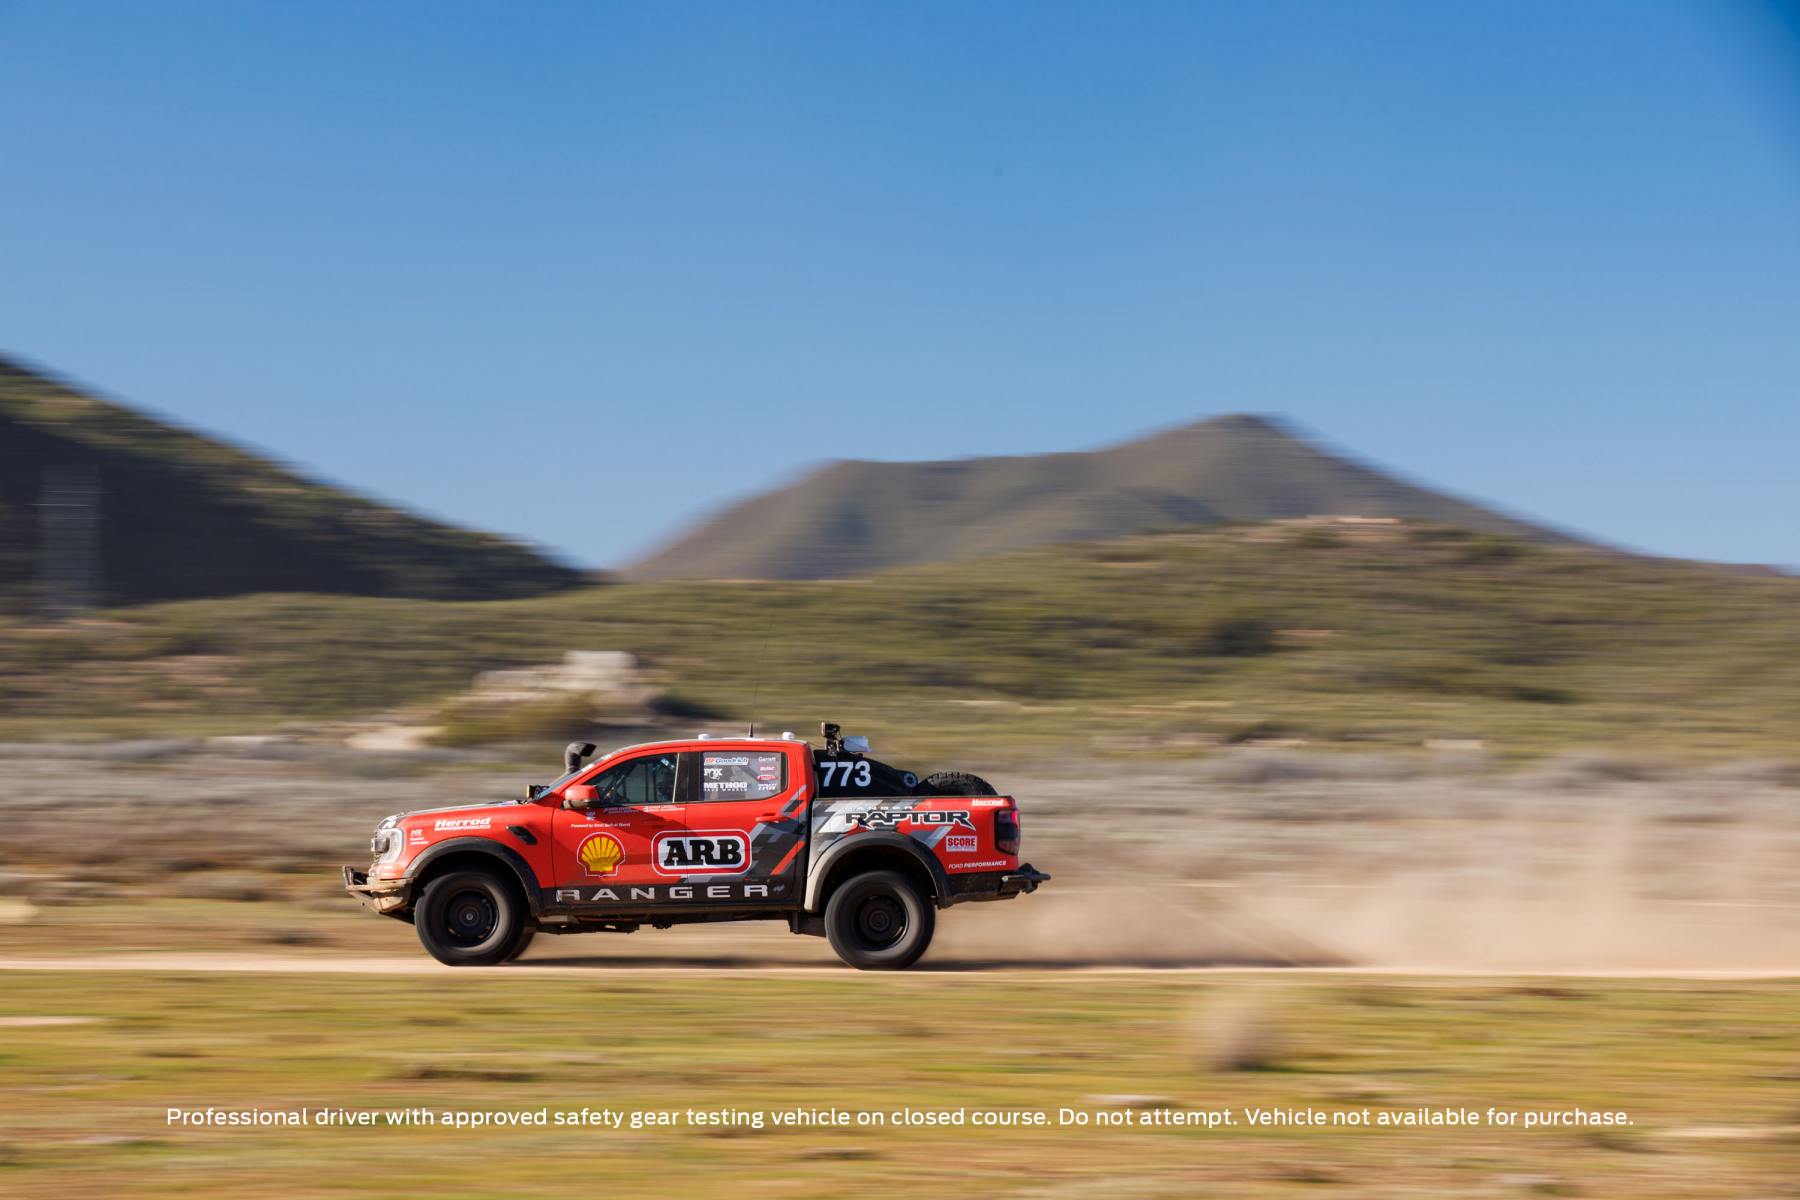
{"x": 603, "y": 966}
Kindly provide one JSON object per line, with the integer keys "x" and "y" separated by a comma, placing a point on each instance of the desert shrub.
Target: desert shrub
{"x": 1314, "y": 537}
{"x": 674, "y": 704}
{"x": 1490, "y": 548}
{"x": 1771, "y": 771}
{"x": 1536, "y": 693}
{"x": 554, "y": 718}
{"x": 1239, "y": 1029}
{"x": 1585, "y": 768}
{"x": 1261, "y": 766}
{"x": 1236, "y": 633}
{"x": 223, "y": 886}
{"x": 1257, "y": 731}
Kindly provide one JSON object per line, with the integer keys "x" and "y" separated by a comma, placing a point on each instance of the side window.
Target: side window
{"x": 647, "y": 780}
{"x": 742, "y": 774}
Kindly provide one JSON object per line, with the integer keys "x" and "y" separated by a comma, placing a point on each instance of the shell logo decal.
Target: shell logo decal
{"x": 600, "y": 854}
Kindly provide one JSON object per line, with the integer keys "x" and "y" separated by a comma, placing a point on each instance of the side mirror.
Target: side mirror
{"x": 580, "y": 795}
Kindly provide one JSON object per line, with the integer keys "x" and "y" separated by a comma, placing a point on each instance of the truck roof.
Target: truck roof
{"x": 711, "y": 743}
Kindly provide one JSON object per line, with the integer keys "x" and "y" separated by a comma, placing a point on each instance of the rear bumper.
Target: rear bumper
{"x": 385, "y": 896}
{"x": 995, "y": 885}
{"x": 1025, "y": 879}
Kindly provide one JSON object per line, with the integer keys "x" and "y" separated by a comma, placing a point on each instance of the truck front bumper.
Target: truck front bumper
{"x": 384, "y": 896}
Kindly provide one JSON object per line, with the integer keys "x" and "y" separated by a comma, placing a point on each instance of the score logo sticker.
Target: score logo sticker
{"x": 710, "y": 852}
{"x": 961, "y": 843}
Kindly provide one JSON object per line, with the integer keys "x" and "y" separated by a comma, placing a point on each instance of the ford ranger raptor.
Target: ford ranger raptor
{"x": 827, "y": 839}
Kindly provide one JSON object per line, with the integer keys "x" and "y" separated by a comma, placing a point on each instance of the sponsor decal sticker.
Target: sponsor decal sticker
{"x": 962, "y": 843}
{"x": 452, "y": 823}
{"x": 703, "y": 852}
{"x": 669, "y": 893}
{"x": 893, "y": 818}
{"x": 739, "y": 776}
{"x": 600, "y": 855}
{"x": 416, "y": 835}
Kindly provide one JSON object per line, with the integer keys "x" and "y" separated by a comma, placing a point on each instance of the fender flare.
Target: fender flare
{"x": 492, "y": 849}
{"x": 820, "y": 869}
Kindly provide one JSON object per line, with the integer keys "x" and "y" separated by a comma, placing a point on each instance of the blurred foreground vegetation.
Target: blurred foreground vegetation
{"x": 93, "y": 1060}
{"x": 1174, "y": 643}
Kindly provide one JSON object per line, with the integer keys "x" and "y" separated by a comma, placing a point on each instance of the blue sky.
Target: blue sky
{"x": 585, "y": 272}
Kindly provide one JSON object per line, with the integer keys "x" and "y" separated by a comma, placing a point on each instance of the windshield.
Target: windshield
{"x": 568, "y": 777}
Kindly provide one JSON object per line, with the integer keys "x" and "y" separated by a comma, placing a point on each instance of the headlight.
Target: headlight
{"x": 386, "y": 843}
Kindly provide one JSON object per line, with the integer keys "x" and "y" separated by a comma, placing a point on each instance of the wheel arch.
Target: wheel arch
{"x": 874, "y": 852}
{"x": 471, "y": 852}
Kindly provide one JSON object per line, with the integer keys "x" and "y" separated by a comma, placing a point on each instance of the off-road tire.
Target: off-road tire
{"x": 879, "y": 921}
{"x": 469, "y": 918}
{"x": 527, "y": 931}
{"x": 954, "y": 783}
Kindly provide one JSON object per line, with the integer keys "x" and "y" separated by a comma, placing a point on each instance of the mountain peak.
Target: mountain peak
{"x": 856, "y": 517}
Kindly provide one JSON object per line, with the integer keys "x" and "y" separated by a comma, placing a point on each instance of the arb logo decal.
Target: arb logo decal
{"x": 600, "y": 854}
{"x": 712, "y": 853}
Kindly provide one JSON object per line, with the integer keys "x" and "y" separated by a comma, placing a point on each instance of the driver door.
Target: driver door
{"x": 610, "y": 845}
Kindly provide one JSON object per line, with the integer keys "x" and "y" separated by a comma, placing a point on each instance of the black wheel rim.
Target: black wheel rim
{"x": 470, "y": 918}
{"x": 880, "y": 922}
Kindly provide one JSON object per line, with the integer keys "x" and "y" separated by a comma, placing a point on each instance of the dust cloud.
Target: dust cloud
{"x": 1504, "y": 873}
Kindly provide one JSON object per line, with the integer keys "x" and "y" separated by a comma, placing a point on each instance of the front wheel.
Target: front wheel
{"x": 880, "y": 921}
{"x": 526, "y": 933}
{"x": 469, "y": 918}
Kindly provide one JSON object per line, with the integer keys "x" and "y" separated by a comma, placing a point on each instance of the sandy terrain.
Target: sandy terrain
{"x": 1586, "y": 865}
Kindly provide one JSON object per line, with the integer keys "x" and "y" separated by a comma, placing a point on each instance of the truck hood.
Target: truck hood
{"x": 397, "y": 818}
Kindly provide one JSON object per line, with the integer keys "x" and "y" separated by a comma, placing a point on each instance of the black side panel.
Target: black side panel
{"x": 853, "y": 776}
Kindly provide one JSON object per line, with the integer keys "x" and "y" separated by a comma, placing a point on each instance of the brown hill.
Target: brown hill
{"x": 103, "y": 505}
{"x": 850, "y": 518}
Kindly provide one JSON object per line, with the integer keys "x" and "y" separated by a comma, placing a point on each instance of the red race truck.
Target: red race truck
{"x": 827, "y": 839}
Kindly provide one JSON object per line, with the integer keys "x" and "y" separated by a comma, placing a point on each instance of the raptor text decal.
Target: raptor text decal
{"x": 893, "y": 818}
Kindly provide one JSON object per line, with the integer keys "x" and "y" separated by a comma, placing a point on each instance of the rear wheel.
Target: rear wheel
{"x": 470, "y": 919}
{"x": 954, "y": 783}
{"x": 880, "y": 921}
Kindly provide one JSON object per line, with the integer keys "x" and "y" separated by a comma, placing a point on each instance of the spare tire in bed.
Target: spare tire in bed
{"x": 954, "y": 783}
